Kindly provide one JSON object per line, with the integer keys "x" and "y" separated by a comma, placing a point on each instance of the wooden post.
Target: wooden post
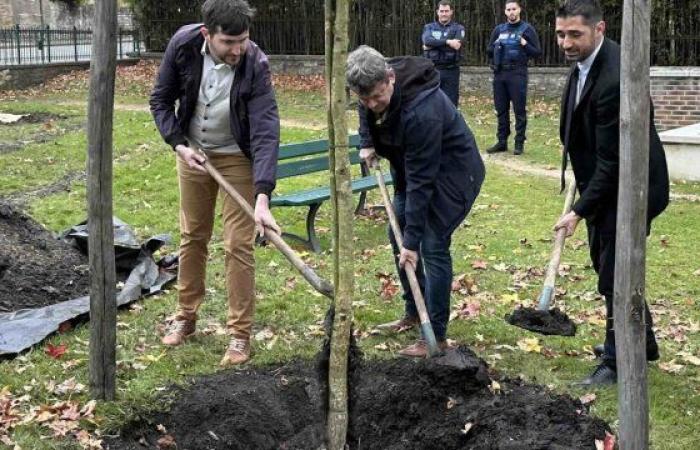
{"x": 103, "y": 305}
{"x": 630, "y": 251}
{"x": 337, "y": 13}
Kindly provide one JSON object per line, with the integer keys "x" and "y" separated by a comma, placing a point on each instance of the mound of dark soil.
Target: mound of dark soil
{"x": 551, "y": 322}
{"x": 395, "y": 404}
{"x": 36, "y": 269}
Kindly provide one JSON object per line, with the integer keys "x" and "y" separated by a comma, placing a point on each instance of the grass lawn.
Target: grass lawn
{"x": 508, "y": 236}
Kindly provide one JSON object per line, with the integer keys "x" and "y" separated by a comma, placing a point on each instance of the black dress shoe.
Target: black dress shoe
{"x": 652, "y": 353}
{"x": 519, "y": 148}
{"x": 603, "y": 375}
{"x": 500, "y": 146}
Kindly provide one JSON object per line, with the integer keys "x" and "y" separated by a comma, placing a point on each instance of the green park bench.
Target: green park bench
{"x": 299, "y": 159}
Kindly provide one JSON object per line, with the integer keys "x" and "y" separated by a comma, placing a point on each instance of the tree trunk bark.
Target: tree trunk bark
{"x": 337, "y": 12}
{"x": 103, "y": 302}
{"x": 630, "y": 252}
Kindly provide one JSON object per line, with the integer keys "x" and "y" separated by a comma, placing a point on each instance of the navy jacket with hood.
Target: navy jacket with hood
{"x": 433, "y": 154}
{"x": 254, "y": 116}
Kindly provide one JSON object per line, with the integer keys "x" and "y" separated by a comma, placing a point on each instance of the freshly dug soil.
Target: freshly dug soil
{"x": 35, "y": 268}
{"x": 552, "y": 322}
{"x": 395, "y": 404}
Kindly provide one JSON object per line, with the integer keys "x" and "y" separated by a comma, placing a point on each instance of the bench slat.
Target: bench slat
{"x": 317, "y": 195}
{"x": 289, "y": 151}
{"x": 310, "y": 165}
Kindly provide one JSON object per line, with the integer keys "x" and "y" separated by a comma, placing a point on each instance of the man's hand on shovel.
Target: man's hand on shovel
{"x": 568, "y": 221}
{"x": 263, "y": 216}
{"x": 409, "y": 257}
{"x": 192, "y": 157}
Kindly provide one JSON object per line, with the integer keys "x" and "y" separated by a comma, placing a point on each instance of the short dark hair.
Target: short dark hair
{"x": 517, "y": 2}
{"x": 446, "y": 3}
{"x": 590, "y": 10}
{"x": 232, "y": 17}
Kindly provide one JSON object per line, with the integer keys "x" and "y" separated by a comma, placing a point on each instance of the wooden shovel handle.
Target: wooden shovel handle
{"x": 318, "y": 283}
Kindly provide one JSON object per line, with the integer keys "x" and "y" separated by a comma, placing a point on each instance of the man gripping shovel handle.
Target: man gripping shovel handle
{"x": 543, "y": 320}
{"x": 426, "y": 327}
{"x": 318, "y": 283}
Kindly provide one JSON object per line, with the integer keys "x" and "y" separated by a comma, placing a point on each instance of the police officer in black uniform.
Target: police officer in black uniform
{"x": 511, "y": 45}
{"x": 442, "y": 41}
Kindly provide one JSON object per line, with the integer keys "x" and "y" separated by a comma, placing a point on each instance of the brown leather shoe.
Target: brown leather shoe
{"x": 399, "y": 326}
{"x": 179, "y": 331}
{"x": 238, "y": 352}
{"x": 419, "y": 349}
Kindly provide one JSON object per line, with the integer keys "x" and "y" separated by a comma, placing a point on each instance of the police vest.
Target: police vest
{"x": 508, "y": 47}
{"x": 445, "y": 55}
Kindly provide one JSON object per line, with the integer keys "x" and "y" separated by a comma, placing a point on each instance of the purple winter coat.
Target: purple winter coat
{"x": 254, "y": 116}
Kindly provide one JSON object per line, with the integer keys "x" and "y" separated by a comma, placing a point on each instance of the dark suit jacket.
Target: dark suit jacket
{"x": 590, "y": 134}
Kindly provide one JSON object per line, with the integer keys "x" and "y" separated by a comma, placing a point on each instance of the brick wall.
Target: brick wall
{"x": 676, "y": 95}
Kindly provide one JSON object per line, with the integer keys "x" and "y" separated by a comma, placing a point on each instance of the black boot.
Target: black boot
{"x": 604, "y": 374}
{"x": 500, "y": 146}
{"x": 519, "y": 148}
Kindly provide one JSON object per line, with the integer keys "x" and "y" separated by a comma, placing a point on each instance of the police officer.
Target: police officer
{"x": 511, "y": 45}
{"x": 442, "y": 41}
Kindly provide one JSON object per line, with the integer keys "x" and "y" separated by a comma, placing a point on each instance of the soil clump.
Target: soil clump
{"x": 550, "y": 322}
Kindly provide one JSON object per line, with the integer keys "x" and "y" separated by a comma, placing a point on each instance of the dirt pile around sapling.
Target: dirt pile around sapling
{"x": 395, "y": 404}
{"x": 35, "y": 268}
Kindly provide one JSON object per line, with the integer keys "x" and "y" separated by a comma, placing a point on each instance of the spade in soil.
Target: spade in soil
{"x": 542, "y": 319}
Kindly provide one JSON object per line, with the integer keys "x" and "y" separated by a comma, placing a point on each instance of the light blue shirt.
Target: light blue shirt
{"x": 583, "y": 69}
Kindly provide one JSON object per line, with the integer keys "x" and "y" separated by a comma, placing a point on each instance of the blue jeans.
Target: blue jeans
{"x": 434, "y": 272}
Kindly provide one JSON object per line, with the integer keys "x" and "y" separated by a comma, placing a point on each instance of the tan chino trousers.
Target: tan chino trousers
{"x": 198, "y": 194}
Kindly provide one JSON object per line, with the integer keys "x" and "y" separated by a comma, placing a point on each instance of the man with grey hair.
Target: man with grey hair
{"x": 436, "y": 166}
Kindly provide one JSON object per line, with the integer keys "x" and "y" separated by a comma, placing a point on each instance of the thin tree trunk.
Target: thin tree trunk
{"x": 336, "y": 45}
{"x": 103, "y": 302}
{"x": 630, "y": 252}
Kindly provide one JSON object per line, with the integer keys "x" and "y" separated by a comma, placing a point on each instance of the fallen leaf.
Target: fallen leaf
{"x": 264, "y": 335}
{"x": 479, "y": 264}
{"x": 530, "y": 345}
{"x": 495, "y": 387}
{"x": 161, "y": 429}
{"x": 166, "y": 442}
{"x": 65, "y": 327}
{"x": 587, "y": 399}
{"x": 671, "y": 367}
{"x": 55, "y": 351}
{"x": 451, "y": 402}
{"x": 467, "y": 426}
{"x": 382, "y": 347}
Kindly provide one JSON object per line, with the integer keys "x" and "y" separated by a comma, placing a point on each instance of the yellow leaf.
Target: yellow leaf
{"x": 530, "y": 345}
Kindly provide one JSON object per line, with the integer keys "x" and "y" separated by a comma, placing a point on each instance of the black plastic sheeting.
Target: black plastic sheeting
{"x": 19, "y": 330}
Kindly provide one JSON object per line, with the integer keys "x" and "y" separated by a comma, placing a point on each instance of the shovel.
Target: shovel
{"x": 543, "y": 320}
{"x": 318, "y": 283}
{"x": 426, "y": 327}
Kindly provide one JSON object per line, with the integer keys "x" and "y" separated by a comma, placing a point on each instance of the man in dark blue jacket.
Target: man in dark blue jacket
{"x": 442, "y": 41}
{"x": 436, "y": 165}
{"x": 511, "y": 45}
{"x": 221, "y": 84}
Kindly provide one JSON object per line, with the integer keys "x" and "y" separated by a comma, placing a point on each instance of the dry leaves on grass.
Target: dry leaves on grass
{"x": 464, "y": 285}
{"x": 389, "y": 287}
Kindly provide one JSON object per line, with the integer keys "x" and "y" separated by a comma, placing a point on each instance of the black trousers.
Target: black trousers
{"x": 601, "y": 241}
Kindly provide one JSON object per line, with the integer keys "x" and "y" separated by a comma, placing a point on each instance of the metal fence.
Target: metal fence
{"x": 37, "y": 45}
{"x": 394, "y": 26}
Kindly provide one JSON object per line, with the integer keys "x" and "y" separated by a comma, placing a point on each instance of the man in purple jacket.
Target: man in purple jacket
{"x": 220, "y": 82}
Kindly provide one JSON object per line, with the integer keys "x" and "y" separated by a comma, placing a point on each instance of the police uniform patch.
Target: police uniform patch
{"x": 437, "y": 34}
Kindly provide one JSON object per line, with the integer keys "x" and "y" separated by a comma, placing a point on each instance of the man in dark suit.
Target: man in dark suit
{"x": 589, "y": 129}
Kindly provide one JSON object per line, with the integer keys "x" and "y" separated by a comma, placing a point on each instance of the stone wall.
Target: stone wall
{"x": 22, "y": 77}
